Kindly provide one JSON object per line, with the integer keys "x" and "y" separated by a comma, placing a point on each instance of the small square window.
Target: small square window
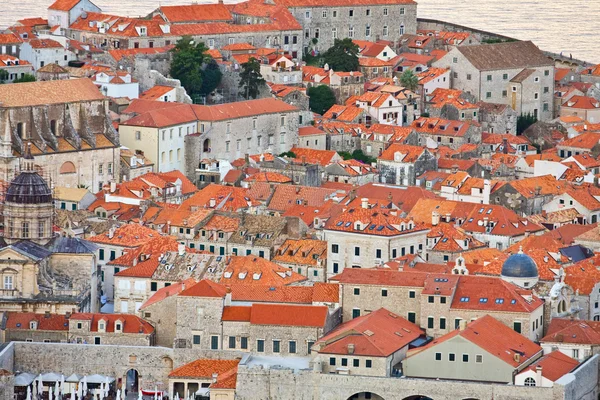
{"x": 412, "y": 294}
{"x": 451, "y": 357}
{"x": 465, "y": 358}
{"x": 356, "y": 291}
{"x": 384, "y": 293}
{"x": 356, "y": 362}
{"x": 368, "y": 363}
{"x": 438, "y": 356}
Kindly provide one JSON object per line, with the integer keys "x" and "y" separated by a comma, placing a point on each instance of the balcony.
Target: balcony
{"x": 9, "y": 293}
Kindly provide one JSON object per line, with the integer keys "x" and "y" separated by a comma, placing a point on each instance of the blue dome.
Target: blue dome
{"x": 519, "y": 266}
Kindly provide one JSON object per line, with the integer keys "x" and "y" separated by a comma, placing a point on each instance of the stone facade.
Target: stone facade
{"x": 405, "y": 173}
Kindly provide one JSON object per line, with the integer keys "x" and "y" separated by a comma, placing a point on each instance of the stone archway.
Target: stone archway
{"x": 417, "y": 397}
{"x": 365, "y": 396}
{"x": 132, "y": 381}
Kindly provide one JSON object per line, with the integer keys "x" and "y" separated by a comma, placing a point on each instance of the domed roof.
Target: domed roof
{"x": 519, "y": 266}
{"x": 28, "y": 188}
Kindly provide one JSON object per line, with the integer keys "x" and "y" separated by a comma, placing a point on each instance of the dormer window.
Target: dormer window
{"x": 33, "y": 325}
{"x": 118, "y": 326}
{"x": 101, "y": 326}
{"x": 143, "y": 31}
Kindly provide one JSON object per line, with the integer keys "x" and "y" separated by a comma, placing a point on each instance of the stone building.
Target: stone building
{"x": 67, "y": 124}
{"x": 308, "y": 257}
{"x": 205, "y": 377}
{"x": 484, "y": 348}
{"x": 34, "y": 327}
{"x": 327, "y": 21}
{"x": 369, "y": 345}
{"x": 497, "y": 118}
{"x": 301, "y": 172}
{"x": 513, "y": 73}
{"x": 528, "y": 196}
{"x": 64, "y": 12}
{"x": 113, "y": 329}
{"x": 400, "y": 164}
{"x": 439, "y": 302}
{"x": 258, "y": 235}
{"x": 368, "y": 233}
{"x": 13, "y": 66}
{"x": 41, "y": 52}
{"x": 447, "y": 132}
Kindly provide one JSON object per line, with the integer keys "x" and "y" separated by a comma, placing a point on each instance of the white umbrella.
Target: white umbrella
{"x": 62, "y": 384}
{"x": 155, "y": 394}
{"x": 28, "y": 392}
{"x": 50, "y": 393}
{"x": 118, "y": 395}
{"x": 79, "y": 390}
{"x": 176, "y": 395}
{"x": 84, "y": 385}
{"x": 34, "y": 387}
{"x": 57, "y": 395}
{"x": 40, "y": 387}
{"x": 72, "y": 392}
{"x": 106, "y": 387}
{"x": 102, "y": 387}
{"x": 123, "y": 397}
{"x": 140, "y": 396}
{"x": 56, "y": 388}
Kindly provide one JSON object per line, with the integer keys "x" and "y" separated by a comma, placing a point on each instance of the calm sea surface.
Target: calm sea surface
{"x": 568, "y": 26}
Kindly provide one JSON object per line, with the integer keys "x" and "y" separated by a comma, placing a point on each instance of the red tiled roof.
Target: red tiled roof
{"x": 572, "y": 331}
{"x": 554, "y": 365}
{"x": 252, "y": 270}
{"x": 130, "y": 323}
{"x": 168, "y": 291}
{"x": 51, "y": 322}
{"x": 322, "y": 157}
{"x": 129, "y": 235}
{"x": 377, "y": 334}
{"x": 494, "y": 337}
{"x": 156, "y": 92}
{"x": 205, "y": 288}
{"x": 152, "y": 251}
{"x": 585, "y": 140}
{"x": 63, "y": 5}
{"x": 278, "y": 314}
{"x": 204, "y": 368}
{"x": 287, "y": 196}
{"x": 443, "y": 127}
{"x": 196, "y": 13}
{"x": 342, "y": 3}
{"x": 582, "y": 102}
{"x": 408, "y": 153}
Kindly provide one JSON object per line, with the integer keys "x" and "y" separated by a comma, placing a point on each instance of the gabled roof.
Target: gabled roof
{"x": 45, "y": 322}
{"x": 377, "y": 334}
{"x": 63, "y": 5}
{"x": 168, "y": 291}
{"x": 204, "y": 368}
{"x": 554, "y": 365}
{"x": 572, "y": 331}
{"x": 407, "y": 153}
{"x": 205, "y": 288}
{"x": 278, "y": 314}
{"x": 49, "y": 92}
{"x": 130, "y": 323}
{"x": 495, "y": 338}
{"x": 443, "y": 127}
{"x": 508, "y": 55}
{"x": 196, "y": 13}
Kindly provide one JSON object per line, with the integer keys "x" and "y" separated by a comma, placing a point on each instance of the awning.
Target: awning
{"x": 74, "y": 378}
{"x": 24, "y": 379}
{"x": 49, "y": 377}
{"x": 98, "y": 379}
{"x": 152, "y": 392}
{"x": 203, "y": 392}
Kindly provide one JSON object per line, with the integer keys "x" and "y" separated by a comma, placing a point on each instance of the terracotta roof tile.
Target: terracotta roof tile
{"x": 196, "y": 13}
{"x": 287, "y": 196}
{"x": 554, "y": 365}
{"x": 168, "y": 291}
{"x": 204, "y": 368}
{"x": 205, "y": 288}
{"x": 51, "y": 322}
{"x": 572, "y": 331}
{"x": 130, "y": 323}
{"x": 49, "y": 92}
{"x": 129, "y": 235}
{"x": 63, "y": 5}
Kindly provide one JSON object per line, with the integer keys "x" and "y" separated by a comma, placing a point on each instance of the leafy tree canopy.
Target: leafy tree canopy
{"x": 321, "y": 98}
{"x": 188, "y": 60}
{"x": 409, "y": 80}
{"x": 251, "y": 81}
{"x": 342, "y": 56}
{"x": 25, "y": 78}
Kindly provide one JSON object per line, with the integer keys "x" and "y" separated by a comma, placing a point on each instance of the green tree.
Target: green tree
{"x": 289, "y": 154}
{"x": 409, "y": 80}
{"x": 357, "y": 155}
{"x": 211, "y": 77}
{"x": 3, "y": 76}
{"x": 321, "y": 98}
{"x": 524, "y": 121}
{"x": 188, "y": 59}
{"x": 342, "y": 56}
{"x": 25, "y": 78}
{"x": 251, "y": 80}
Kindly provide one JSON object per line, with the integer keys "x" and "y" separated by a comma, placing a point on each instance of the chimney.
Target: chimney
{"x": 113, "y": 186}
{"x": 448, "y": 217}
{"x": 212, "y": 203}
{"x": 181, "y": 249}
{"x": 538, "y": 374}
{"x": 111, "y": 232}
{"x": 215, "y": 375}
{"x": 47, "y": 314}
{"x": 505, "y": 146}
{"x": 538, "y": 190}
{"x": 517, "y": 357}
{"x": 350, "y": 348}
{"x": 246, "y": 156}
{"x": 228, "y": 297}
{"x": 364, "y": 202}
{"x": 352, "y": 194}
{"x": 462, "y": 324}
{"x": 435, "y": 218}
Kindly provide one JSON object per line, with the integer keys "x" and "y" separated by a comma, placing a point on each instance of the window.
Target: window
{"x": 336, "y": 268}
{"x": 214, "y": 342}
{"x": 411, "y": 294}
{"x": 517, "y": 326}
{"x": 488, "y": 95}
{"x": 529, "y": 382}
{"x": 576, "y": 353}
{"x": 489, "y": 78}
{"x": 344, "y": 362}
{"x": 402, "y": 11}
{"x": 355, "y": 313}
{"x": 101, "y": 254}
{"x": 196, "y": 339}
{"x": 232, "y": 342}
{"x": 442, "y": 323}
{"x": 465, "y": 358}
{"x": 113, "y": 255}
{"x": 455, "y": 60}
{"x": 243, "y": 342}
{"x": 356, "y": 362}
{"x": 351, "y": 13}
{"x": 504, "y": 93}
{"x": 332, "y": 361}
{"x": 402, "y": 29}
{"x": 307, "y": 14}
{"x": 412, "y": 317}
{"x": 356, "y": 291}
{"x": 431, "y": 299}
{"x": 368, "y": 30}
{"x": 385, "y": 30}
{"x": 351, "y": 32}
{"x": 96, "y": 339}
{"x": 478, "y": 358}
{"x": 276, "y": 346}
{"x": 451, "y": 357}
{"x": 25, "y": 229}
{"x": 384, "y": 293}
{"x": 333, "y": 35}
{"x": 505, "y": 77}
{"x": 385, "y": 12}
{"x": 438, "y": 356}
{"x": 292, "y": 346}
{"x": 368, "y": 363}
{"x": 324, "y": 13}
{"x": 8, "y": 282}
{"x": 430, "y": 322}
{"x": 309, "y": 346}
{"x": 442, "y": 300}
{"x": 260, "y": 346}
{"x": 357, "y": 251}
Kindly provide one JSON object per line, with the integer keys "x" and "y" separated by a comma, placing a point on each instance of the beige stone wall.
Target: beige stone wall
{"x": 199, "y": 316}
{"x": 163, "y": 316}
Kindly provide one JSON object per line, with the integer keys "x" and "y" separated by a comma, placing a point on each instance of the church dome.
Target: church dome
{"x": 519, "y": 266}
{"x": 29, "y": 188}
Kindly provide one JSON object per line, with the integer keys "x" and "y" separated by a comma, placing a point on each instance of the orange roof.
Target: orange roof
{"x": 205, "y": 288}
{"x": 226, "y": 198}
{"x": 318, "y": 293}
{"x": 554, "y": 365}
{"x": 152, "y": 251}
{"x": 196, "y": 13}
{"x": 9, "y": 38}
{"x": 494, "y": 337}
{"x": 344, "y": 113}
{"x": 443, "y": 127}
{"x": 119, "y": 54}
{"x": 156, "y": 92}
{"x": 546, "y": 184}
{"x": 168, "y": 291}
{"x": 49, "y": 92}
{"x": 51, "y": 322}
{"x": 309, "y": 131}
{"x": 204, "y": 368}
{"x": 585, "y": 141}
{"x": 63, "y": 5}
{"x": 431, "y": 74}
{"x": 301, "y": 251}
{"x": 130, "y": 323}
{"x": 343, "y": 3}
{"x": 572, "y": 331}
{"x": 377, "y": 334}
{"x": 129, "y": 235}
{"x": 272, "y": 177}
{"x": 222, "y": 223}
{"x": 322, "y": 157}
{"x": 583, "y": 276}
{"x": 278, "y": 314}
{"x": 238, "y": 46}
{"x": 287, "y": 196}
{"x": 440, "y": 97}
{"x": 408, "y": 153}
{"x": 373, "y": 62}
{"x": 44, "y": 44}
{"x": 254, "y": 270}
{"x": 582, "y": 102}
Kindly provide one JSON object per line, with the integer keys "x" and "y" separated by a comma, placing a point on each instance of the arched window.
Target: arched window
{"x": 20, "y": 129}
{"x": 529, "y": 382}
{"x": 68, "y": 168}
{"x": 402, "y": 29}
{"x": 562, "y": 307}
{"x": 53, "y": 126}
{"x": 206, "y": 146}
